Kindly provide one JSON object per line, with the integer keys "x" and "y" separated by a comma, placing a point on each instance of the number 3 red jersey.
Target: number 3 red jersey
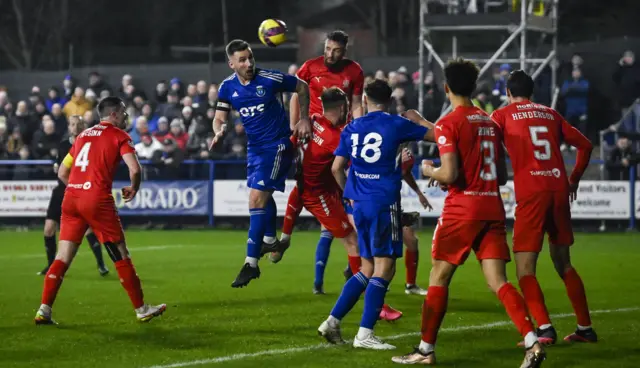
{"x": 96, "y": 154}
{"x": 533, "y": 134}
{"x": 349, "y": 78}
{"x": 475, "y": 195}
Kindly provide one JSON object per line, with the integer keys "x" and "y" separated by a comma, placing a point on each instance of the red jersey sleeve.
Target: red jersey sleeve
{"x": 358, "y": 80}
{"x": 446, "y": 137}
{"x": 573, "y": 137}
{"x": 407, "y": 164}
{"x": 126, "y": 144}
{"x": 498, "y": 118}
{"x": 304, "y": 73}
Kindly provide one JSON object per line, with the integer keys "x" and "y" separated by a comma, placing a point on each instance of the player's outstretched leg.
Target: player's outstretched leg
{"x": 292, "y": 212}
{"x": 49, "y": 243}
{"x": 577, "y": 295}
{"x": 322, "y": 257}
{"x": 496, "y": 275}
{"x": 533, "y": 296}
{"x": 131, "y": 282}
{"x": 53, "y": 280}
{"x": 270, "y": 243}
{"x": 96, "y": 248}
{"x": 258, "y": 222}
{"x": 434, "y": 309}
{"x": 384, "y": 270}
{"x": 411, "y": 257}
{"x": 353, "y": 288}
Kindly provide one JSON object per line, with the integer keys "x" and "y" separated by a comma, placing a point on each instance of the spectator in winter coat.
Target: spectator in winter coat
{"x": 163, "y": 129}
{"x": 627, "y": 80}
{"x": 53, "y": 97}
{"x": 575, "y": 92}
{"x": 77, "y": 105}
{"x": 45, "y": 141}
{"x": 178, "y": 134}
{"x": 620, "y": 159}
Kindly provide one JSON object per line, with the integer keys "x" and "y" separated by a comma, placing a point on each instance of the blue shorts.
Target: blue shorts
{"x": 268, "y": 168}
{"x": 347, "y": 206}
{"x": 379, "y": 229}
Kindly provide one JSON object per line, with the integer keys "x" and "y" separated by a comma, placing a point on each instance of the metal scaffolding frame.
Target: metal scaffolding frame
{"x": 519, "y": 30}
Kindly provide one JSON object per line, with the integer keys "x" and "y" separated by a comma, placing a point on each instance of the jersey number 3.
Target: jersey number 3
{"x": 488, "y": 152}
{"x": 82, "y": 161}
{"x": 371, "y": 143}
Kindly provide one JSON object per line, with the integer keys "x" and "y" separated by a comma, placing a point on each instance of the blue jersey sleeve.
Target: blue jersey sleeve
{"x": 343, "y": 146}
{"x": 223, "y": 102}
{"x": 279, "y": 82}
{"x": 289, "y": 83}
{"x": 410, "y": 131}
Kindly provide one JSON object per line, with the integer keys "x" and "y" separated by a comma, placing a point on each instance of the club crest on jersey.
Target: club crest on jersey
{"x": 345, "y": 83}
{"x": 260, "y": 92}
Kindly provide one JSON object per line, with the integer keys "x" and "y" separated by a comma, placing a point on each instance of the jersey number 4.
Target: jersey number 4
{"x": 371, "y": 143}
{"x": 542, "y": 150}
{"x": 82, "y": 161}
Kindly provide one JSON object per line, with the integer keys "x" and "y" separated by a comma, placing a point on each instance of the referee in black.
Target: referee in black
{"x": 54, "y": 212}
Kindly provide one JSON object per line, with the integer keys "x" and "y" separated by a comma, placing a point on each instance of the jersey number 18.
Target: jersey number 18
{"x": 371, "y": 143}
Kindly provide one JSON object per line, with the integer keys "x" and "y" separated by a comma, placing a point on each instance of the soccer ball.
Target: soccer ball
{"x": 272, "y": 32}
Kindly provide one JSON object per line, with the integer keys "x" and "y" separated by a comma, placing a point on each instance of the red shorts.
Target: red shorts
{"x": 327, "y": 208}
{"x": 453, "y": 240}
{"x": 79, "y": 213}
{"x": 544, "y": 212}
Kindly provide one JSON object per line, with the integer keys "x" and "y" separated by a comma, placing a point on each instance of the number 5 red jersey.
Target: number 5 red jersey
{"x": 96, "y": 154}
{"x": 533, "y": 134}
{"x": 475, "y": 195}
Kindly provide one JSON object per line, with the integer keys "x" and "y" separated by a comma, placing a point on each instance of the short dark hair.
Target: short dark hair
{"x": 461, "y": 76}
{"x": 379, "y": 92}
{"x": 108, "y": 105}
{"x": 339, "y": 36}
{"x": 235, "y": 46}
{"x": 333, "y": 97}
{"x": 520, "y": 84}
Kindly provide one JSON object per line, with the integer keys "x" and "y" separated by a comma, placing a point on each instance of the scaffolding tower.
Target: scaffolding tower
{"x": 517, "y": 24}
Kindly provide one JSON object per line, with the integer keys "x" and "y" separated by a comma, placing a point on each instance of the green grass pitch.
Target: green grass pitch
{"x": 272, "y": 322}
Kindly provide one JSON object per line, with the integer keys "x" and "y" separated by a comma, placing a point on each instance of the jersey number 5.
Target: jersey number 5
{"x": 370, "y": 147}
{"x": 82, "y": 160}
{"x": 542, "y": 150}
{"x": 488, "y": 152}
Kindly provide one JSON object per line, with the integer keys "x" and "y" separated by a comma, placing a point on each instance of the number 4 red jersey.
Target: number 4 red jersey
{"x": 96, "y": 154}
{"x": 533, "y": 134}
{"x": 475, "y": 195}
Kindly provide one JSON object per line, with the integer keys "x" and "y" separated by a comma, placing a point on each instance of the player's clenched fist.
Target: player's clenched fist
{"x": 128, "y": 193}
{"x": 302, "y": 128}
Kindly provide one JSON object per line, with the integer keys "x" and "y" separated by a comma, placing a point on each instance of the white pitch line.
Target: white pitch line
{"x": 132, "y": 250}
{"x": 301, "y": 349}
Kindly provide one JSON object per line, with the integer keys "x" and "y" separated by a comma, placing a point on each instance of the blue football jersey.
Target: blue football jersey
{"x": 260, "y": 106}
{"x": 371, "y": 143}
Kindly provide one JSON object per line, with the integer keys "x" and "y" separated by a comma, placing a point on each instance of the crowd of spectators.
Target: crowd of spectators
{"x": 174, "y": 122}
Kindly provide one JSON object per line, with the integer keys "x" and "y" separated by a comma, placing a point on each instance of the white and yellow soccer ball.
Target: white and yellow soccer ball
{"x": 272, "y": 32}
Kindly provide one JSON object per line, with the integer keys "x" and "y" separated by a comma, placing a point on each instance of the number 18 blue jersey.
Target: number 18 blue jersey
{"x": 371, "y": 143}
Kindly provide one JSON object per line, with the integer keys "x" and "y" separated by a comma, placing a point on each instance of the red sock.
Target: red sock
{"x": 294, "y": 207}
{"x": 578, "y": 297}
{"x": 534, "y": 299}
{"x": 516, "y": 309}
{"x": 354, "y": 263}
{"x": 130, "y": 281}
{"x": 411, "y": 264}
{"x": 53, "y": 281}
{"x": 433, "y": 311}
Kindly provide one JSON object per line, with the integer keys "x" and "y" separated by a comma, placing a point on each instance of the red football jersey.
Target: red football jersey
{"x": 533, "y": 134}
{"x": 350, "y": 79}
{"x": 96, "y": 154}
{"x": 318, "y": 157}
{"x": 469, "y": 132}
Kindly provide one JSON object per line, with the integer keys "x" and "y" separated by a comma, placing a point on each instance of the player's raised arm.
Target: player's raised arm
{"x": 407, "y": 176}
{"x": 417, "y": 118}
{"x": 223, "y": 107}
{"x": 294, "y": 111}
{"x": 584, "y": 147}
{"x": 356, "y": 100}
{"x": 448, "y": 171}
{"x": 303, "y": 128}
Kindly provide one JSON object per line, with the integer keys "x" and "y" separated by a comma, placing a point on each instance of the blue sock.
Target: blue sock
{"x": 272, "y": 215}
{"x": 350, "y": 295}
{"x": 257, "y": 225}
{"x": 322, "y": 255}
{"x": 373, "y": 301}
